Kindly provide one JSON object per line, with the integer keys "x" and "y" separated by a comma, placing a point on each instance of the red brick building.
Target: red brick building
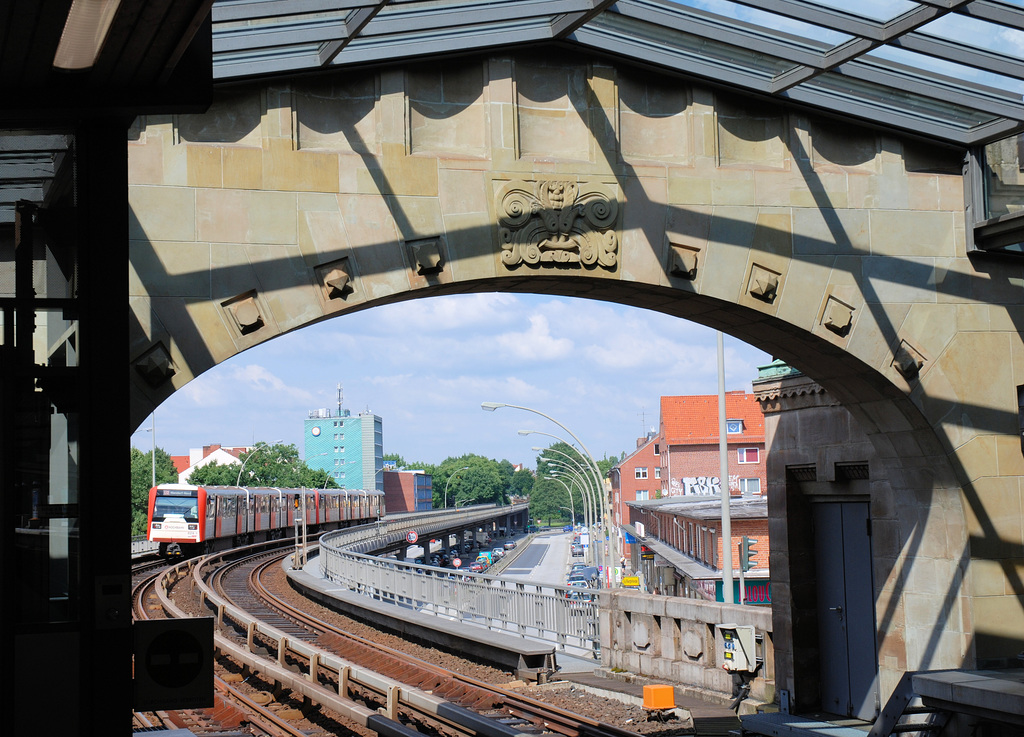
{"x": 408, "y": 491}
{"x": 689, "y": 445}
{"x": 635, "y": 477}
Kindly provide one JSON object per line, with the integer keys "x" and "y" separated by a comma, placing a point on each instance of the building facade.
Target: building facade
{"x": 348, "y": 447}
{"x": 408, "y": 491}
{"x": 637, "y": 477}
{"x": 689, "y": 452}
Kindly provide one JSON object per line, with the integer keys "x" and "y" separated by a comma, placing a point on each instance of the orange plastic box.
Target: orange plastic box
{"x": 659, "y": 697}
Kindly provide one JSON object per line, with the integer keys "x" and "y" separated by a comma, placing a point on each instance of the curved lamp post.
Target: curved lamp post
{"x": 613, "y": 534}
{"x": 464, "y": 468}
{"x": 601, "y": 501}
{"x": 595, "y": 501}
{"x": 464, "y": 501}
{"x": 568, "y": 489}
{"x": 579, "y": 480}
{"x": 258, "y": 446}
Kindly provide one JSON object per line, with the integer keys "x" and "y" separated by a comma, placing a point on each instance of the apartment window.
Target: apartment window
{"x": 748, "y": 455}
{"x": 640, "y": 473}
{"x": 642, "y": 496}
{"x": 732, "y": 427}
{"x": 335, "y": 448}
{"x": 657, "y": 472}
{"x": 657, "y": 449}
{"x": 337, "y": 461}
{"x": 750, "y": 486}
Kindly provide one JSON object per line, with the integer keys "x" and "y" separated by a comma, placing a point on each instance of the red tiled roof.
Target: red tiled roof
{"x": 693, "y": 420}
{"x": 180, "y": 463}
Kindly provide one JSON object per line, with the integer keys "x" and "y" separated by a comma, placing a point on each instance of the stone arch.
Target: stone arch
{"x": 851, "y": 265}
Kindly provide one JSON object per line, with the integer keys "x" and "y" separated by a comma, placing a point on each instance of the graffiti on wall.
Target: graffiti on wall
{"x": 704, "y": 485}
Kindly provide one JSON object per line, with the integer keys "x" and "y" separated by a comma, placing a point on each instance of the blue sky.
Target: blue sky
{"x": 424, "y": 367}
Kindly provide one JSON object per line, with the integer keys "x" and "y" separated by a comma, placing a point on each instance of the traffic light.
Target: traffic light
{"x": 747, "y": 552}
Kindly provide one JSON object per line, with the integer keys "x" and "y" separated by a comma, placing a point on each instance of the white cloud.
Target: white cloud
{"x": 535, "y": 343}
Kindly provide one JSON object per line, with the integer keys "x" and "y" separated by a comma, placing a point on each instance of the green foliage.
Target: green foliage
{"x": 571, "y": 474}
{"x": 399, "y": 461}
{"x": 265, "y": 465}
{"x": 142, "y": 481}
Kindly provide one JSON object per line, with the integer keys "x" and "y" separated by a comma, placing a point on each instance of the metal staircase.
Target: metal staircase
{"x": 904, "y": 713}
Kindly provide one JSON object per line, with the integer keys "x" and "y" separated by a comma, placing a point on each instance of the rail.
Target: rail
{"x": 564, "y": 616}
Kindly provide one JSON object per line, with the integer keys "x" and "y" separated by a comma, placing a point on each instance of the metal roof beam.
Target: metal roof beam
{"x": 354, "y": 25}
{"x": 569, "y": 22}
{"x": 263, "y": 9}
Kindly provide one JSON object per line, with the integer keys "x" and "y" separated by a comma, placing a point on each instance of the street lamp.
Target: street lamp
{"x": 464, "y": 501}
{"x": 249, "y": 457}
{"x": 491, "y": 406}
{"x": 569, "y": 492}
{"x": 464, "y": 468}
{"x": 569, "y": 458}
{"x": 593, "y": 547}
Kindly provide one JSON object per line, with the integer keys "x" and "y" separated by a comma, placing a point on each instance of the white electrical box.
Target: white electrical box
{"x": 737, "y": 653}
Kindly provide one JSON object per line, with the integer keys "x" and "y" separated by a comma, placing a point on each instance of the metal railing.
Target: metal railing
{"x": 564, "y": 616}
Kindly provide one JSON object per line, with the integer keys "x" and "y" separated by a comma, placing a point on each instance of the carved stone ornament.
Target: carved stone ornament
{"x": 838, "y": 316}
{"x": 557, "y": 223}
{"x": 764, "y": 284}
{"x": 155, "y": 365}
{"x": 683, "y": 262}
{"x": 907, "y": 361}
{"x": 245, "y": 313}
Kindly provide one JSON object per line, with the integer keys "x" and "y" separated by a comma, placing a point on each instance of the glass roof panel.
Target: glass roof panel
{"x": 958, "y": 77}
{"x": 878, "y": 10}
{"x": 769, "y": 21}
{"x": 956, "y": 73}
{"x": 672, "y": 42}
{"x": 977, "y": 33}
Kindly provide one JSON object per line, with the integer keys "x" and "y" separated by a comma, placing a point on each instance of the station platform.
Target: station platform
{"x": 710, "y": 717}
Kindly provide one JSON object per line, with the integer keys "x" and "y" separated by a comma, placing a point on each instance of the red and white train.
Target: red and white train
{"x": 189, "y": 520}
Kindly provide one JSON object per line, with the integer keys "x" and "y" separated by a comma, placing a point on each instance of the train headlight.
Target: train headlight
{"x": 157, "y": 526}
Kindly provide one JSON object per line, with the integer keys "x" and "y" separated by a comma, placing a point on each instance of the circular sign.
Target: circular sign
{"x": 411, "y": 536}
{"x": 174, "y": 659}
{"x": 457, "y": 562}
{"x": 315, "y": 431}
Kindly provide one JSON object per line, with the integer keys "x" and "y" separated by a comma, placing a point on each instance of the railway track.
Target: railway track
{"x": 361, "y": 679}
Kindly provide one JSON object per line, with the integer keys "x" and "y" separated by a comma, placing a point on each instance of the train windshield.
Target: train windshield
{"x": 176, "y": 506}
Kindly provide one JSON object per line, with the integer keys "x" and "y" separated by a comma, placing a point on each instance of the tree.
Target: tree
{"x": 264, "y": 465}
{"x": 142, "y": 481}
{"x": 399, "y": 461}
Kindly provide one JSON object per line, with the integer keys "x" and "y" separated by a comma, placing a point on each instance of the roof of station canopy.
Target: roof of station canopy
{"x": 951, "y": 70}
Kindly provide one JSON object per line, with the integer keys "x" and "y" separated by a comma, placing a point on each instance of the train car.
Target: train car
{"x": 189, "y": 520}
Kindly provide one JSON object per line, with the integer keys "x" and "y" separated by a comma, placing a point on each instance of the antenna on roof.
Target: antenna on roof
{"x": 643, "y": 418}
{"x": 339, "y": 399}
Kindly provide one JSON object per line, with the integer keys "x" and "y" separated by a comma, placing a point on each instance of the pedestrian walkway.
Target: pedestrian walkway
{"x": 710, "y": 718}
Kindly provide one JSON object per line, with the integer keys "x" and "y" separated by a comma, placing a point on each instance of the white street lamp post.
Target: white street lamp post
{"x": 593, "y": 470}
{"x": 249, "y": 457}
{"x": 463, "y": 501}
{"x": 450, "y": 478}
{"x": 579, "y": 480}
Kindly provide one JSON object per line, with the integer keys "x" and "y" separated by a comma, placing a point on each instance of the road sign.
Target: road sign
{"x": 457, "y": 562}
{"x": 411, "y": 536}
{"x": 631, "y": 582}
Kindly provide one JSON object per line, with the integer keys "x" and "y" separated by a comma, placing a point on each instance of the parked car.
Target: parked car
{"x": 576, "y": 578}
{"x": 578, "y": 598}
{"x": 576, "y": 550}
